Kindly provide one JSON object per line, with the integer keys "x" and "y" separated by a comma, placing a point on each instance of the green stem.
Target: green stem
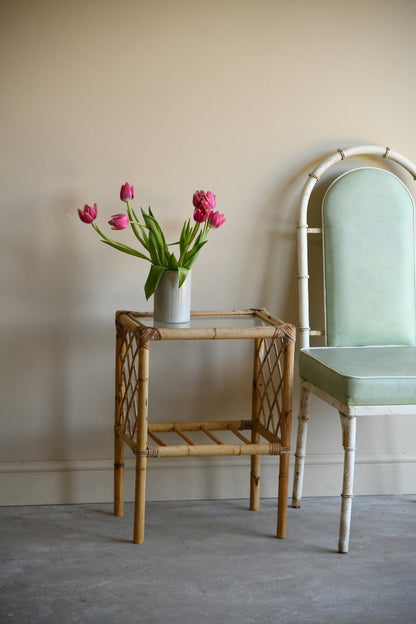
{"x": 119, "y": 246}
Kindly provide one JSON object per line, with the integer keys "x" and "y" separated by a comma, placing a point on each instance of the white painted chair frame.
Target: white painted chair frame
{"x": 347, "y": 413}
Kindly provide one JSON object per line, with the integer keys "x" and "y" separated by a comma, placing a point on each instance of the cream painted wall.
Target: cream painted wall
{"x": 235, "y": 96}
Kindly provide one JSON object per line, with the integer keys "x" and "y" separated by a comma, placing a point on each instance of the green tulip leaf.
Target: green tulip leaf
{"x": 153, "y": 279}
{"x": 183, "y": 274}
{"x": 125, "y": 249}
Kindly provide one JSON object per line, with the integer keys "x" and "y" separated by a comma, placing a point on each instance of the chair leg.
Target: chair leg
{"x": 348, "y": 424}
{"x": 303, "y": 419}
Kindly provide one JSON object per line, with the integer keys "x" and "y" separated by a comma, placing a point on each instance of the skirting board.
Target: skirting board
{"x": 90, "y": 481}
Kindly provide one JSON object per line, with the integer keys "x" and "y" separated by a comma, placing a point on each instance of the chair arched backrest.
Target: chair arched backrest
{"x": 401, "y": 324}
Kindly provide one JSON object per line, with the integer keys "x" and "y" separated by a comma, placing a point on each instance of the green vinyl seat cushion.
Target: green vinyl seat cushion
{"x": 375, "y": 375}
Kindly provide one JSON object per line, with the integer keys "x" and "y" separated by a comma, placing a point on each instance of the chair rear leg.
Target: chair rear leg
{"x": 349, "y": 425}
{"x": 303, "y": 419}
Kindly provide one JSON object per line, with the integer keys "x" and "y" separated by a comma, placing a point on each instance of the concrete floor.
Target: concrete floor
{"x": 209, "y": 562}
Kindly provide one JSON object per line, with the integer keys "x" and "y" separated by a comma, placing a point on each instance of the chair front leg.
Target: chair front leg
{"x": 349, "y": 425}
{"x": 303, "y": 419}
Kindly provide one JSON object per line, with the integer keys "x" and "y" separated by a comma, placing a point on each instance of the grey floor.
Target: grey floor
{"x": 209, "y": 562}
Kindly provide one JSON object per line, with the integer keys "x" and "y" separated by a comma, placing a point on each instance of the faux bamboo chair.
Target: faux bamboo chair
{"x": 368, "y": 363}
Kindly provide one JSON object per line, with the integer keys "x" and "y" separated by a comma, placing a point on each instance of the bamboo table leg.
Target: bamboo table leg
{"x": 118, "y": 475}
{"x": 255, "y": 437}
{"x": 286, "y": 430}
{"x": 118, "y": 442}
{"x": 283, "y": 494}
{"x": 141, "y": 448}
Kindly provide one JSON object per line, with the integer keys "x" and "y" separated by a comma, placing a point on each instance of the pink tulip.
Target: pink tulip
{"x": 216, "y": 219}
{"x": 126, "y": 192}
{"x": 88, "y": 214}
{"x": 119, "y": 221}
{"x": 204, "y": 200}
{"x": 201, "y": 215}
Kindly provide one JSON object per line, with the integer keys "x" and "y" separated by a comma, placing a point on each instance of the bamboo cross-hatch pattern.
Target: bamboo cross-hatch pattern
{"x": 266, "y": 433}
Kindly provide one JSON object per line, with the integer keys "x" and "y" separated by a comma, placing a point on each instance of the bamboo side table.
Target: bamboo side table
{"x": 268, "y": 429}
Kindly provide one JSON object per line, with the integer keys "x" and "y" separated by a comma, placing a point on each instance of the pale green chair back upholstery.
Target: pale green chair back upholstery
{"x": 368, "y": 228}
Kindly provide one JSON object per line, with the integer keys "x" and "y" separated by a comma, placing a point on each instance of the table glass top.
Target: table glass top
{"x": 210, "y": 321}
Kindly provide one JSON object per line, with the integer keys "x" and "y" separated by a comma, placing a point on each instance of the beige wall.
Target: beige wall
{"x": 239, "y": 97}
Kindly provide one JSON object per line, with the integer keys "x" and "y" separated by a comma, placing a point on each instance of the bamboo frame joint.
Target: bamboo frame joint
{"x": 341, "y": 151}
{"x": 246, "y": 424}
{"x": 287, "y": 333}
{"x": 121, "y": 331}
{"x": 150, "y": 451}
{"x": 275, "y": 448}
{"x": 145, "y": 335}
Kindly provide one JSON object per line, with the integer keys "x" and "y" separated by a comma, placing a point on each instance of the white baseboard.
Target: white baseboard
{"x": 91, "y": 481}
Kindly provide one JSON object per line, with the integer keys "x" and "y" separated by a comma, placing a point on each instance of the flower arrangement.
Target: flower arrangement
{"x": 150, "y": 235}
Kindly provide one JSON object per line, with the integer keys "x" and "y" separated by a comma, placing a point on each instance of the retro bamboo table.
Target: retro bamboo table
{"x": 271, "y": 414}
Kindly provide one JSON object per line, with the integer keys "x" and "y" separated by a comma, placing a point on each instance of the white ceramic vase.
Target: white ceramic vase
{"x": 171, "y": 303}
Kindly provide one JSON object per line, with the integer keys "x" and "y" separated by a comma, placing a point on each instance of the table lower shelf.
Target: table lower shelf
{"x": 158, "y": 447}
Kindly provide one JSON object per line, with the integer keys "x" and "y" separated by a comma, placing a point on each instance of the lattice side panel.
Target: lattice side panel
{"x": 129, "y": 396}
{"x": 269, "y": 384}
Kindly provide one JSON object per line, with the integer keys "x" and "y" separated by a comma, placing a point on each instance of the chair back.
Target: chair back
{"x": 369, "y": 273}
{"x": 369, "y": 254}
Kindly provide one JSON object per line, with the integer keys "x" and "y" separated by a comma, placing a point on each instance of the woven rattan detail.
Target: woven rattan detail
{"x": 275, "y": 448}
{"x": 145, "y": 335}
{"x": 268, "y": 384}
{"x": 128, "y": 383}
{"x": 287, "y": 332}
{"x": 151, "y": 451}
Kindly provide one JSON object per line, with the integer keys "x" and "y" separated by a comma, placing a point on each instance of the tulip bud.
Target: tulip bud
{"x": 119, "y": 221}
{"x": 88, "y": 214}
{"x": 201, "y": 215}
{"x": 126, "y": 192}
{"x": 216, "y": 219}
